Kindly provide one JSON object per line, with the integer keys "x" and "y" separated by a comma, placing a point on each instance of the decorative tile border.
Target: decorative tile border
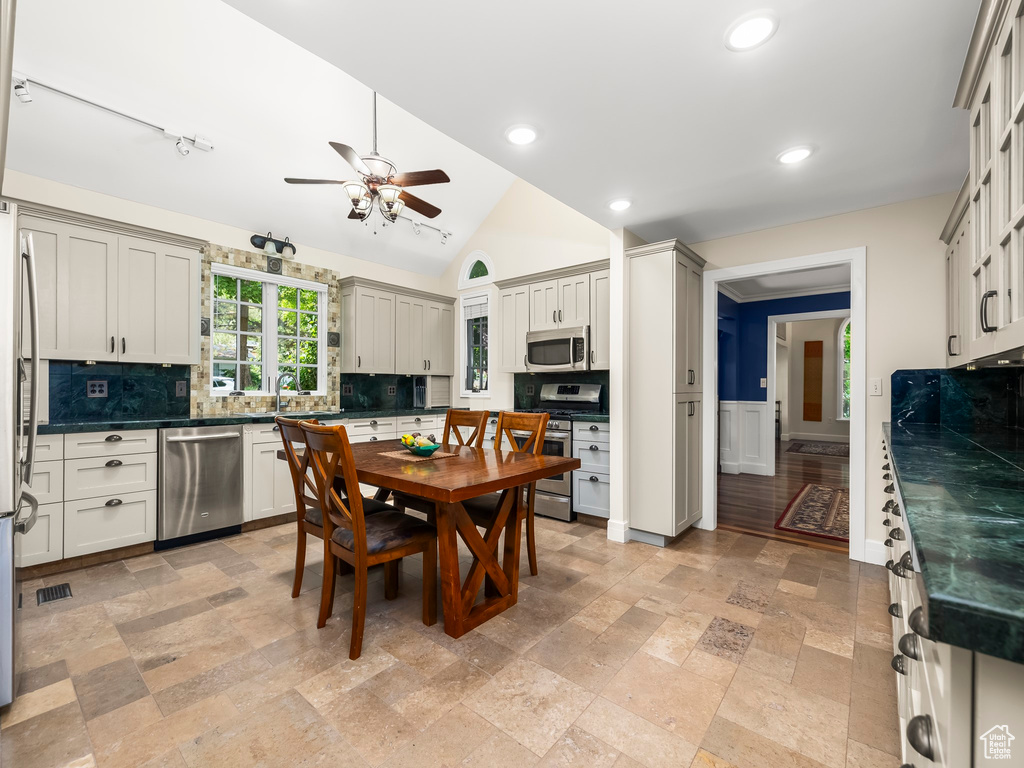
{"x": 205, "y": 404}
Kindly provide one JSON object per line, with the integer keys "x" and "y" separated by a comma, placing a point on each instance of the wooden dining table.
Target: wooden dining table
{"x": 447, "y": 482}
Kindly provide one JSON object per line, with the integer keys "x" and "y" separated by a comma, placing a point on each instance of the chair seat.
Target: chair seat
{"x": 387, "y": 530}
{"x": 481, "y": 509}
{"x": 370, "y": 507}
{"x": 425, "y": 506}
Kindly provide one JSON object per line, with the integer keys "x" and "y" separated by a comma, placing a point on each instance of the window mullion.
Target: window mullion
{"x": 270, "y": 333}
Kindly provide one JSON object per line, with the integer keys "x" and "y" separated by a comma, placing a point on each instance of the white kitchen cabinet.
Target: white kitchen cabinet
{"x": 130, "y": 473}
{"x": 76, "y": 270}
{"x": 544, "y": 305}
{"x": 410, "y": 335}
{"x": 591, "y": 493}
{"x": 82, "y": 445}
{"x": 593, "y": 456}
{"x": 514, "y": 314}
{"x": 108, "y": 522}
{"x": 270, "y": 482}
{"x": 48, "y": 481}
{"x": 664, "y": 444}
{"x": 574, "y": 301}
{"x": 158, "y": 302}
{"x": 45, "y": 542}
{"x": 425, "y": 424}
{"x": 957, "y": 253}
{"x": 600, "y": 320}
{"x": 438, "y": 341}
{"x": 374, "y": 331}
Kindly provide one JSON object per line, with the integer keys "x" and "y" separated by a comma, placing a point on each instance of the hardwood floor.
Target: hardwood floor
{"x": 752, "y": 503}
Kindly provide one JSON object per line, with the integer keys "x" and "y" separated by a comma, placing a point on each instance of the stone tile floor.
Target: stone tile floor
{"x": 723, "y": 650}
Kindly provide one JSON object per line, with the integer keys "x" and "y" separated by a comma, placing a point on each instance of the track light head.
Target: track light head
{"x": 22, "y": 92}
{"x": 444, "y": 238}
{"x": 181, "y": 146}
{"x": 416, "y": 229}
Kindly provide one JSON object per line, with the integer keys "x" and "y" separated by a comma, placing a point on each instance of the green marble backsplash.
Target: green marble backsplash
{"x": 380, "y": 392}
{"x": 134, "y": 391}
{"x": 959, "y": 399}
{"x": 524, "y": 398}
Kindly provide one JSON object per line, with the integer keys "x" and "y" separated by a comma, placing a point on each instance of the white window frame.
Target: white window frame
{"x": 468, "y": 283}
{"x": 270, "y": 337}
{"x": 840, "y": 371}
{"x": 464, "y": 301}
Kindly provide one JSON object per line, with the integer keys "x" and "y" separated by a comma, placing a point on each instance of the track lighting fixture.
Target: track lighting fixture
{"x": 444, "y": 238}
{"x": 416, "y": 229}
{"x": 181, "y": 146}
{"x": 21, "y": 91}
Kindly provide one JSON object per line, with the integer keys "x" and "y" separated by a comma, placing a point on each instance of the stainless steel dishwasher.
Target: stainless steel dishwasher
{"x": 200, "y": 480}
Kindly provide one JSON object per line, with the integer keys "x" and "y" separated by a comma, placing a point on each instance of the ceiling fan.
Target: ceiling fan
{"x": 380, "y": 182}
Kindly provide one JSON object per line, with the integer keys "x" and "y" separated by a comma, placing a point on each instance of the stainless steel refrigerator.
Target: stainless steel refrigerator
{"x": 19, "y": 397}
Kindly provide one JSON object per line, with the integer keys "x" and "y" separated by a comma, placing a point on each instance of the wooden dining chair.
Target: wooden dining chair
{"x": 477, "y": 420}
{"x": 363, "y": 540}
{"x": 483, "y": 508}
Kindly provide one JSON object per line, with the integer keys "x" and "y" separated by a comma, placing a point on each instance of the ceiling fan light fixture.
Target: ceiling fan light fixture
{"x": 391, "y": 211}
{"x": 521, "y": 135}
{"x": 389, "y": 194}
{"x": 359, "y": 195}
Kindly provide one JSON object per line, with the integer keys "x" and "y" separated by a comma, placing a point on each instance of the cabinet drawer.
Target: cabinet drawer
{"x": 95, "y": 525}
{"x": 88, "y": 478}
{"x": 408, "y": 424}
{"x": 48, "y": 482}
{"x": 48, "y": 447}
{"x": 263, "y": 433}
{"x": 370, "y": 438}
{"x": 45, "y": 542}
{"x": 379, "y": 427}
{"x": 591, "y": 432}
{"x": 94, "y": 444}
{"x": 593, "y": 456}
{"x": 591, "y": 493}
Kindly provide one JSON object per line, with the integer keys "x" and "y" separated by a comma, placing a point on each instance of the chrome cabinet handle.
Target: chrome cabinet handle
{"x": 418, "y": 419}
{"x": 918, "y": 622}
{"x": 595, "y": 448}
{"x": 113, "y": 438}
{"x": 920, "y": 735}
{"x": 910, "y": 646}
{"x": 895, "y": 611}
{"x": 24, "y": 526}
{"x": 428, "y": 365}
{"x": 114, "y": 503}
{"x": 114, "y": 463}
{"x": 985, "y": 327}
{"x": 424, "y": 365}
{"x": 899, "y": 663}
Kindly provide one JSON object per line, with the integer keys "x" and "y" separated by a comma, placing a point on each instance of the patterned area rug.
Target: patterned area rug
{"x": 821, "y": 449}
{"x": 818, "y": 510}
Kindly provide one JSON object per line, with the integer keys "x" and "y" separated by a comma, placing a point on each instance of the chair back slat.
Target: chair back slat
{"x": 298, "y": 463}
{"x": 477, "y": 420}
{"x": 330, "y": 455}
{"x": 534, "y": 423}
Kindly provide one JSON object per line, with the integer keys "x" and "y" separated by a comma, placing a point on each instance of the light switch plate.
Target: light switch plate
{"x": 875, "y": 387}
{"x": 181, "y": 389}
{"x": 96, "y": 388}
{"x": 764, "y": 383}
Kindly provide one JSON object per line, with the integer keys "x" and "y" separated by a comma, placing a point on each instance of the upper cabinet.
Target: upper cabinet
{"x": 600, "y": 312}
{"x": 386, "y": 329}
{"x": 560, "y": 303}
{"x": 107, "y": 296}
{"x": 985, "y": 232}
{"x": 514, "y": 314}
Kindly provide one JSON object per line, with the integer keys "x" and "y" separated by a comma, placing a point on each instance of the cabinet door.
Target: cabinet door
{"x": 958, "y": 292}
{"x": 442, "y": 360}
{"x": 544, "y": 305}
{"x": 158, "y": 302}
{"x": 694, "y": 462}
{"x": 95, "y": 524}
{"x": 411, "y": 335}
{"x": 984, "y": 308}
{"x": 271, "y": 482}
{"x": 375, "y": 331}
{"x": 44, "y": 543}
{"x": 514, "y": 313}
{"x": 600, "y": 320}
{"x": 680, "y": 463}
{"x": 574, "y": 301}
{"x": 687, "y": 327}
{"x": 77, "y": 271}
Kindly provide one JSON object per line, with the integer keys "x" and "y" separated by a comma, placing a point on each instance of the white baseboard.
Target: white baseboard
{"x": 618, "y": 531}
{"x": 785, "y": 437}
{"x": 819, "y": 437}
{"x": 875, "y": 552}
{"x": 729, "y": 468}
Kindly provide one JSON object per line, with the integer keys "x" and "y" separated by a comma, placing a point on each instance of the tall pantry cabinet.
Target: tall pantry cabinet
{"x": 663, "y": 356}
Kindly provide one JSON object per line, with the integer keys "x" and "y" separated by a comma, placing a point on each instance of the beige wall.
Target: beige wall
{"x": 830, "y": 427}
{"x": 905, "y": 292}
{"x": 781, "y": 387}
{"x": 21, "y": 186}
{"x": 527, "y": 231}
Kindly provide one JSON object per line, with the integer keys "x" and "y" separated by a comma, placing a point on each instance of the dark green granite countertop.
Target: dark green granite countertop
{"x": 107, "y": 426}
{"x": 963, "y": 496}
{"x": 600, "y": 418}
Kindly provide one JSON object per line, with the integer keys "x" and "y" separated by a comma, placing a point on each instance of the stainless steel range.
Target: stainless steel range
{"x": 562, "y": 402}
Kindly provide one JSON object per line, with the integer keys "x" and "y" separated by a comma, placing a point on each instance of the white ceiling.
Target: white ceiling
{"x": 269, "y": 106}
{"x": 642, "y": 99}
{"x": 779, "y": 285}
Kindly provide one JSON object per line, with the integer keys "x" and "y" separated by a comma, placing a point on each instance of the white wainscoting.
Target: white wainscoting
{"x": 746, "y": 435}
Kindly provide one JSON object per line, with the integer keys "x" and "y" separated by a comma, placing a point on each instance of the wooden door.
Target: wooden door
{"x": 158, "y": 302}
{"x": 514, "y": 314}
{"x": 411, "y": 335}
{"x": 574, "y": 301}
{"x": 600, "y": 320}
{"x": 544, "y": 305}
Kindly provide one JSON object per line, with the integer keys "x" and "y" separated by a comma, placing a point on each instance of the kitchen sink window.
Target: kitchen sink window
{"x": 475, "y": 321}
{"x": 265, "y": 326}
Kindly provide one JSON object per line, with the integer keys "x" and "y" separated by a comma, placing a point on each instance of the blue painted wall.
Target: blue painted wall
{"x": 743, "y": 358}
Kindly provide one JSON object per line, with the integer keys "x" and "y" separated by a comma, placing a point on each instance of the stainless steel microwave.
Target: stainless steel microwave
{"x": 559, "y": 349}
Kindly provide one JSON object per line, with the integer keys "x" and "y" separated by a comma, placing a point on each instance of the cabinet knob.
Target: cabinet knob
{"x": 910, "y": 646}
{"x": 899, "y": 663}
{"x": 418, "y": 419}
{"x": 494, "y": 421}
{"x": 114, "y": 463}
{"x": 593, "y": 478}
{"x": 918, "y": 622}
{"x": 113, "y": 438}
{"x": 595, "y": 448}
{"x": 373, "y": 439}
{"x": 920, "y": 735}
{"x": 373, "y": 422}
{"x": 895, "y": 611}
{"x": 594, "y": 427}
{"x": 114, "y": 503}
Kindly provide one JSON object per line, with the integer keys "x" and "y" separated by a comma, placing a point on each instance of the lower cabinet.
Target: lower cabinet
{"x": 270, "y": 484}
{"x": 45, "y": 542}
{"x": 591, "y": 494}
{"x": 98, "y": 524}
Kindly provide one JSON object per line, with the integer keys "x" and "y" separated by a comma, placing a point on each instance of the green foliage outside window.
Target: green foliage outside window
{"x": 846, "y": 370}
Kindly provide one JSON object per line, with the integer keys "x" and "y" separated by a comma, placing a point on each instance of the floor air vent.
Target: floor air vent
{"x": 52, "y": 594}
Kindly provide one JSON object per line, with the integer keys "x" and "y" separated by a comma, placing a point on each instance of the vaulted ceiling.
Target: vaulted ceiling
{"x": 268, "y": 105}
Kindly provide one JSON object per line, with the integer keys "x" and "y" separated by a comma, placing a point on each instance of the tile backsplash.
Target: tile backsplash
{"x": 134, "y": 391}
{"x": 959, "y": 399}
{"x": 383, "y": 391}
{"x": 523, "y": 398}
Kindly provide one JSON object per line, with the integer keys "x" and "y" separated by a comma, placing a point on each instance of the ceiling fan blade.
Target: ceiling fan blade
{"x": 351, "y": 157}
{"x": 313, "y": 181}
{"x": 420, "y": 206}
{"x": 419, "y": 178}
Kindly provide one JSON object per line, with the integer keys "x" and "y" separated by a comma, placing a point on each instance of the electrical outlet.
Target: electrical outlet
{"x": 96, "y": 388}
{"x": 529, "y": 390}
{"x": 181, "y": 389}
{"x": 875, "y": 387}
{"x": 392, "y": 390}
{"x": 346, "y": 390}
{"x": 764, "y": 383}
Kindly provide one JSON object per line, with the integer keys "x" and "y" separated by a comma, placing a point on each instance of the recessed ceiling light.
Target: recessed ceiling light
{"x": 619, "y": 205}
{"x": 795, "y": 155}
{"x": 521, "y": 134}
{"x": 750, "y": 31}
